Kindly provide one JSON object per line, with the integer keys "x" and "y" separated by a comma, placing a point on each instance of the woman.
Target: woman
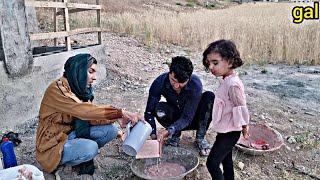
{"x": 71, "y": 128}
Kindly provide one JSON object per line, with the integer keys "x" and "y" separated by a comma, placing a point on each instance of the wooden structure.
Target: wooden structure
{"x": 66, "y": 9}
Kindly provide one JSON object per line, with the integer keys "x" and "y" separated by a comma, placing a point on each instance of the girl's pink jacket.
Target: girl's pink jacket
{"x": 228, "y": 115}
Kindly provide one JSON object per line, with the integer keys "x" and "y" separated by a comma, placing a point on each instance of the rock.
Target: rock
{"x": 240, "y": 165}
{"x": 310, "y": 113}
{"x": 291, "y": 140}
{"x": 299, "y": 126}
{"x": 291, "y": 120}
{"x": 288, "y": 148}
{"x": 268, "y": 124}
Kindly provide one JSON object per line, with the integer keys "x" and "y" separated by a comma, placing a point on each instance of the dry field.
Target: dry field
{"x": 264, "y": 32}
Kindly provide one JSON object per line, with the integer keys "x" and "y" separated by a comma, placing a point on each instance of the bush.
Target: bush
{"x": 190, "y": 4}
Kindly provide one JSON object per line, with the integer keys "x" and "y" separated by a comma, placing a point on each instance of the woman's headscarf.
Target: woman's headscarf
{"x": 75, "y": 70}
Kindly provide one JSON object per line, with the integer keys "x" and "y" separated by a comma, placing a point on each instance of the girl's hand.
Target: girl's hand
{"x": 245, "y": 131}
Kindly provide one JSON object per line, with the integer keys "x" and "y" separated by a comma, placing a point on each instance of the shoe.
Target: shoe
{"x": 64, "y": 172}
{"x": 173, "y": 141}
{"x": 204, "y": 147}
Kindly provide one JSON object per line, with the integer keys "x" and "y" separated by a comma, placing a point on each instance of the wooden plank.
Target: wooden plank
{"x": 63, "y": 4}
{"x": 55, "y": 22}
{"x": 67, "y": 26}
{"x": 99, "y": 23}
{"x": 84, "y": 30}
{"x": 61, "y": 12}
{"x": 62, "y": 34}
{"x": 84, "y": 6}
{"x": 50, "y": 35}
{"x": 45, "y": 4}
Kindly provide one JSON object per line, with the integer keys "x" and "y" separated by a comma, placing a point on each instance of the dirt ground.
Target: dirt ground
{"x": 283, "y": 97}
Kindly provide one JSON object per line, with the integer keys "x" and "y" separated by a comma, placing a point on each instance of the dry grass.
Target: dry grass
{"x": 263, "y": 31}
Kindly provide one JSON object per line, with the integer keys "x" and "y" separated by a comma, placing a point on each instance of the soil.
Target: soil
{"x": 283, "y": 97}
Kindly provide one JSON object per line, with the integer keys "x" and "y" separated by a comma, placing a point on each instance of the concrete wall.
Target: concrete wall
{"x": 20, "y": 97}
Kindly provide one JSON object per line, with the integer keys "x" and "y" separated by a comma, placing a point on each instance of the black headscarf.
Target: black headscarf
{"x": 76, "y": 71}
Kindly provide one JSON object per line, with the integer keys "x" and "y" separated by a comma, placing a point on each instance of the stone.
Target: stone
{"x": 288, "y": 148}
{"x": 291, "y": 140}
{"x": 240, "y": 165}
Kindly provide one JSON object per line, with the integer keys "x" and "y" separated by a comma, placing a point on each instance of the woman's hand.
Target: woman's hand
{"x": 245, "y": 131}
{"x": 128, "y": 117}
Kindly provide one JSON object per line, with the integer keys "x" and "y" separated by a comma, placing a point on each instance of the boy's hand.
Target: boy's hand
{"x": 162, "y": 135}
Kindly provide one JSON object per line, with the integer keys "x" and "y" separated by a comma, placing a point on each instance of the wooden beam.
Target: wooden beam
{"x": 55, "y": 22}
{"x": 62, "y": 34}
{"x": 99, "y": 23}
{"x": 45, "y": 4}
{"x": 84, "y": 6}
{"x": 61, "y": 12}
{"x": 50, "y": 35}
{"x": 84, "y": 30}
{"x": 63, "y": 4}
{"x": 67, "y": 26}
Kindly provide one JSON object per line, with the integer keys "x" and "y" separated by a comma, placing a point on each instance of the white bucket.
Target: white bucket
{"x": 136, "y": 137}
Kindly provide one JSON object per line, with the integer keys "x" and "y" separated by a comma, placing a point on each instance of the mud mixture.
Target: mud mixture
{"x": 165, "y": 170}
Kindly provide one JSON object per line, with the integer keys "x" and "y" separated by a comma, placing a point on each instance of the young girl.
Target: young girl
{"x": 230, "y": 114}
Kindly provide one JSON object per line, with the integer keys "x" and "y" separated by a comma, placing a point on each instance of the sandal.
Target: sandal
{"x": 203, "y": 146}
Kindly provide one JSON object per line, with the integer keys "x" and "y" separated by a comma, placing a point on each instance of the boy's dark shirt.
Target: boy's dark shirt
{"x": 186, "y": 101}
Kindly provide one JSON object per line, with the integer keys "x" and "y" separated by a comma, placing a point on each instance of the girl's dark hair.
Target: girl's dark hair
{"x": 227, "y": 50}
{"x": 182, "y": 68}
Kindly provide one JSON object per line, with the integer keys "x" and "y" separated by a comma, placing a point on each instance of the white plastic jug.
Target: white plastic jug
{"x": 136, "y": 137}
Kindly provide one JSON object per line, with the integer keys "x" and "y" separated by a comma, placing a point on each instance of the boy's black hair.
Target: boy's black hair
{"x": 182, "y": 68}
{"x": 227, "y": 50}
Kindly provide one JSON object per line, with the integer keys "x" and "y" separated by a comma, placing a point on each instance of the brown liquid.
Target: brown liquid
{"x": 165, "y": 169}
